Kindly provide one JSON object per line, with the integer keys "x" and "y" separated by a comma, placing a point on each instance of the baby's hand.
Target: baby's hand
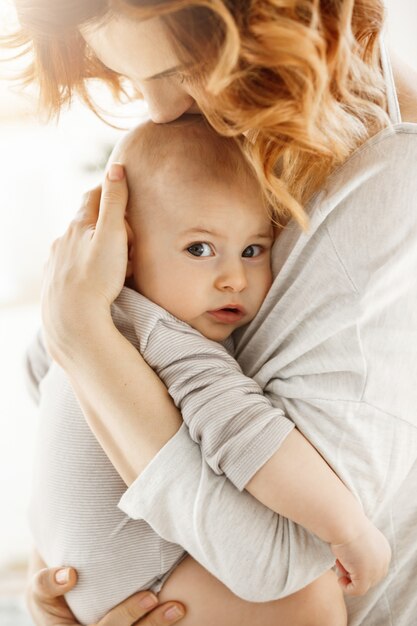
{"x": 363, "y": 561}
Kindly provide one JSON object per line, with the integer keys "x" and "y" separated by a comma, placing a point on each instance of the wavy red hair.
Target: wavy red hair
{"x": 300, "y": 78}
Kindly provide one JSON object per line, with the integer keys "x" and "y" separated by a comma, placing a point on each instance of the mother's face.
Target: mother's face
{"x": 141, "y": 52}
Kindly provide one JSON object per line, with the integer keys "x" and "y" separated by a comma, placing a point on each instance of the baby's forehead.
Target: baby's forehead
{"x": 210, "y": 214}
{"x": 171, "y": 167}
{"x": 176, "y": 171}
{"x": 189, "y": 143}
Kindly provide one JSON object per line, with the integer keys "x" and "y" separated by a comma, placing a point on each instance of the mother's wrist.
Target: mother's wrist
{"x": 75, "y": 334}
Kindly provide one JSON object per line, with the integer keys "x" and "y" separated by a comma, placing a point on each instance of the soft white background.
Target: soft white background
{"x": 43, "y": 172}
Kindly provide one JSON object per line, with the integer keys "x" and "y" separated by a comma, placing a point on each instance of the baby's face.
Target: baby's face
{"x": 202, "y": 251}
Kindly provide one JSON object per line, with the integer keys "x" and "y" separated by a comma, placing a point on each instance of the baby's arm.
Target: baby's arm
{"x": 297, "y": 483}
{"x": 256, "y": 446}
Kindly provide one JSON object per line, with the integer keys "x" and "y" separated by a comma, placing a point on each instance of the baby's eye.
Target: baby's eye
{"x": 253, "y": 250}
{"x": 200, "y": 249}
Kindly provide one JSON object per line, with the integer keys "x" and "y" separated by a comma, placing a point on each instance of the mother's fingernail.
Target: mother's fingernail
{"x": 62, "y": 576}
{"x": 148, "y": 601}
{"x": 173, "y": 613}
{"x": 116, "y": 172}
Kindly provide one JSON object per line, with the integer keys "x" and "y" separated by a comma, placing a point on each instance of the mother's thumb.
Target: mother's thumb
{"x": 113, "y": 199}
{"x": 53, "y": 582}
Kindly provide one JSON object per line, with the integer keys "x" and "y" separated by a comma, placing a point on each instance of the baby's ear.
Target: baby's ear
{"x": 130, "y": 279}
{"x": 130, "y": 239}
{"x": 129, "y": 266}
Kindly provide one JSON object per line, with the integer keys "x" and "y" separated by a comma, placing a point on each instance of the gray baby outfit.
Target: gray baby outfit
{"x": 74, "y": 515}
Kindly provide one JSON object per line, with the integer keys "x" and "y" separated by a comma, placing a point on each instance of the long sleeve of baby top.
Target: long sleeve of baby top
{"x": 226, "y": 412}
{"x": 334, "y": 346}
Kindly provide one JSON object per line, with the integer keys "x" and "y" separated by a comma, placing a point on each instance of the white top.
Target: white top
{"x": 334, "y": 346}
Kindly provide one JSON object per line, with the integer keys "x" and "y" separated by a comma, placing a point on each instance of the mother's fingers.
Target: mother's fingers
{"x": 140, "y": 609}
{"x": 50, "y": 583}
{"x": 90, "y": 205}
{"x": 104, "y": 206}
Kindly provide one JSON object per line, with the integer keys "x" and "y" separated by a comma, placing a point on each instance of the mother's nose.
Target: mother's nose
{"x": 166, "y": 100}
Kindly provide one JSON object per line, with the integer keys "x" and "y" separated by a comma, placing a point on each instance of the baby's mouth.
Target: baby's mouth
{"x": 229, "y": 314}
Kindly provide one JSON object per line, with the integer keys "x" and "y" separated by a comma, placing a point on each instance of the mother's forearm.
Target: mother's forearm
{"x": 124, "y": 402}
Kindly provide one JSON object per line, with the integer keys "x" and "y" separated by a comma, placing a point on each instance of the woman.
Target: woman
{"x": 311, "y": 87}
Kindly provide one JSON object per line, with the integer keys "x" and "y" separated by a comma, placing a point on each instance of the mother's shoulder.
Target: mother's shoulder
{"x": 405, "y": 78}
{"x": 368, "y": 209}
{"x": 382, "y": 169}
{"x": 387, "y": 149}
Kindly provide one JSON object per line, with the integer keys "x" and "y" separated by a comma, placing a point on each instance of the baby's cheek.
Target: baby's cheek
{"x": 183, "y": 306}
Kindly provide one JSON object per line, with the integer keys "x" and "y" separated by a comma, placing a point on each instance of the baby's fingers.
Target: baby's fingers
{"x": 354, "y": 587}
{"x": 350, "y": 586}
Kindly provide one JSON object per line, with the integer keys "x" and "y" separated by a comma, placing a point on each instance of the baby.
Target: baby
{"x": 199, "y": 268}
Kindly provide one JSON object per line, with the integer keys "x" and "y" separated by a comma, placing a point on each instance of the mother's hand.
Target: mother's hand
{"x": 47, "y": 605}
{"x": 86, "y": 269}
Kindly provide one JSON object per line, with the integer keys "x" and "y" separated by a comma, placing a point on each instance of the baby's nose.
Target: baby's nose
{"x": 232, "y": 278}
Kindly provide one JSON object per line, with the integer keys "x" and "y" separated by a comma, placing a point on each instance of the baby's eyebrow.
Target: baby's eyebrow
{"x": 205, "y": 231}
{"x": 200, "y": 231}
{"x": 262, "y": 236}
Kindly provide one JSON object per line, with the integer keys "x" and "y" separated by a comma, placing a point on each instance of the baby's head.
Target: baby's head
{"x": 201, "y": 232}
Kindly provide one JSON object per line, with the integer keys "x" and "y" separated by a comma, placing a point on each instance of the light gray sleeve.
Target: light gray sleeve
{"x": 36, "y": 364}
{"x": 226, "y": 412}
{"x": 256, "y": 553}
